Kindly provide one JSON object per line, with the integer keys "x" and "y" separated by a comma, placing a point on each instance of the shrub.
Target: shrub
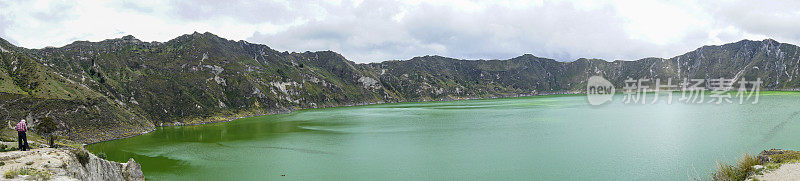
{"x": 785, "y": 156}
{"x": 81, "y": 155}
{"x": 10, "y": 149}
{"x": 3, "y": 148}
{"x": 10, "y": 174}
{"x": 727, "y": 172}
{"x": 747, "y": 163}
{"x": 774, "y": 158}
{"x": 46, "y": 127}
{"x": 740, "y": 171}
{"x": 102, "y": 155}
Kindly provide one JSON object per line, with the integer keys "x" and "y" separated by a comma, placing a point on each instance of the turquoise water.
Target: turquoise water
{"x": 542, "y": 138}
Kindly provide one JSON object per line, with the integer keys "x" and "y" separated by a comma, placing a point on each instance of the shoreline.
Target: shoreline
{"x": 288, "y": 111}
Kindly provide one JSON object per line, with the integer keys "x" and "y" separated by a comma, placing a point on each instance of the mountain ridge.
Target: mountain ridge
{"x": 132, "y": 38}
{"x": 121, "y": 87}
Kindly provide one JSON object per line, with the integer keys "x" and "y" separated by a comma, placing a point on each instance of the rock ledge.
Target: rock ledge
{"x": 61, "y": 164}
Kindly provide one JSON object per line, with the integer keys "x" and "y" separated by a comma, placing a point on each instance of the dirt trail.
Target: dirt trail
{"x": 789, "y": 171}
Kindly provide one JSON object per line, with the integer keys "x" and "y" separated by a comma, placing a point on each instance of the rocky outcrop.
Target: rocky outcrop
{"x": 101, "y": 169}
{"x": 60, "y": 164}
{"x": 776, "y": 164}
{"x": 769, "y": 156}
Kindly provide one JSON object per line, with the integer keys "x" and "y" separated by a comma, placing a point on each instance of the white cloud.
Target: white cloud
{"x": 369, "y": 31}
{"x": 660, "y": 22}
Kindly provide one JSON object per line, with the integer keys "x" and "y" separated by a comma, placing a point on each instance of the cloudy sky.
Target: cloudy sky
{"x": 371, "y": 31}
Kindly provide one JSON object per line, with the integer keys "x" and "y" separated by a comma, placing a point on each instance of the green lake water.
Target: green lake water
{"x": 527, "y": 138}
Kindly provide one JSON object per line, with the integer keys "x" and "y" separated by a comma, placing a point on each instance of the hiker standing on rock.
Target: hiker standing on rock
{"x": 23, "y": 140}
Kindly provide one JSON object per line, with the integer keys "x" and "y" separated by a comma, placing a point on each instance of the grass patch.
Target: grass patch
{"x": 772, "y": 166}
{"x": 738, "y": 171}
{"x": 741, "y": 170}
{"x": 10, "y": 174}
{"x": 4, "y": 148}
{"x": 783, "y": 156}
{"x": 36, "y": 173}
{"x": 774, "y": 158}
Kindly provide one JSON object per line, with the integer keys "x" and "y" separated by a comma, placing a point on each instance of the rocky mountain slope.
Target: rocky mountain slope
{"x": 121, "y": 87}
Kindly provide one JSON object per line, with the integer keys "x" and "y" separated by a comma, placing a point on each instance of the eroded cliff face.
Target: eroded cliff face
{"x": 101, "y": 169}
{"x": 60, "y": 164}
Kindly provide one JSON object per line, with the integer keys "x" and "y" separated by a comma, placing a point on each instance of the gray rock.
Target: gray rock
{"x": 64, "y": 165}
{"x": 758, "y": 167}
{"x": 132, "y": 170}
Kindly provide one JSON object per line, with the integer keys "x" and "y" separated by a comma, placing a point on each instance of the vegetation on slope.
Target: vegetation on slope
{"x": 747, "y": 167}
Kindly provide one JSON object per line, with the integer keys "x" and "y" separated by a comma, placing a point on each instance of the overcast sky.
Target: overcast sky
{"x": 372, "y": 31}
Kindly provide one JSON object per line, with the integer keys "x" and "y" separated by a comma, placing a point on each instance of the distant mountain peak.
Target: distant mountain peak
{"x": 197, "y": 36}
{"x": 125, "y": 39}
{"x": 206, "y": 34}
{"x": 5, "y": 46}
{"x": 431, "y": 57}
{"x": 129, "y": 37}
{"x": 527, "y": 56}
{"x": 768, "y": 40}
